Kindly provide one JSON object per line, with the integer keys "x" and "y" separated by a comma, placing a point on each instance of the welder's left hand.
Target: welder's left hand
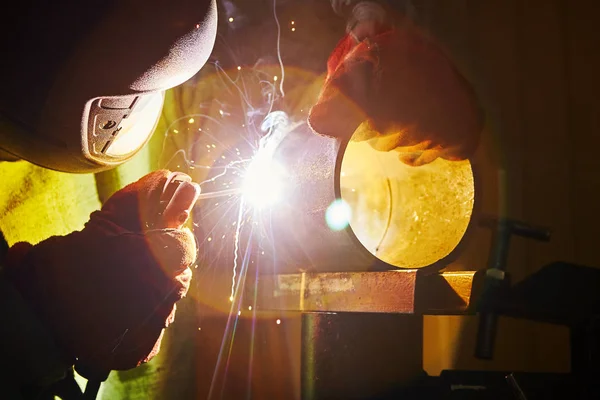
{"x": 388, "y": 84}
{"x": 107, "y": 292}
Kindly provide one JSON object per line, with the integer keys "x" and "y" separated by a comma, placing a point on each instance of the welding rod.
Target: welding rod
{"x": 219, "y": 193}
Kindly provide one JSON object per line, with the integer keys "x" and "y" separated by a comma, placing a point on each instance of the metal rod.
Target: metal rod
{"x": 219, "y": 193}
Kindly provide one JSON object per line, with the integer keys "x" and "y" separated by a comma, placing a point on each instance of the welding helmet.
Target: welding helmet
{"x": 82, "y": 82}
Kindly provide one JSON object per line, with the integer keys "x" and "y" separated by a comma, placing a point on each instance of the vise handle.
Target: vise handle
{"x": 495, "y": 277}
{"x": 516, "y": 227}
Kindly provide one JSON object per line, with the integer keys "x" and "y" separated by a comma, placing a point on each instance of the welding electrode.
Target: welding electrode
{"x": 219, "y": 193}
{"x": 179, "y": 193}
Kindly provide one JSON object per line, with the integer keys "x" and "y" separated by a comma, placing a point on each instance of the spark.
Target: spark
{"x": 259, "y": 180}
{"x": 293, "y": 29}
{"x": 278, "y": 321}
{"x": 261, "y": 185}
{"x": 279, "y": 48}
{"x": 236, "y": 246}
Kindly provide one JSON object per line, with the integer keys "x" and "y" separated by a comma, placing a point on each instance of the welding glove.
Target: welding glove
{"x": 387, "y": 83}
{"x": 107, "y": 292}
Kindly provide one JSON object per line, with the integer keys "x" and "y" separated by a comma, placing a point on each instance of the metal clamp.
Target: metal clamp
{"x": 496, "y": 277}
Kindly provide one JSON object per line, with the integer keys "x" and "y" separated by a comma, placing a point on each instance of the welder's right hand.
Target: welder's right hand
{"x": 108, "y": 292}
{"x": 392, "y": 86}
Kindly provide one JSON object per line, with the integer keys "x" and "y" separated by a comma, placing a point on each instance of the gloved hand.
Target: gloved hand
{"x": 393, "y": 87}
{"x": 107, "y": 292}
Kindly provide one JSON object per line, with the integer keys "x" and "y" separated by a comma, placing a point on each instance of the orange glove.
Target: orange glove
{"x": 108, "y": 291}
{"x": 396, "y": 89}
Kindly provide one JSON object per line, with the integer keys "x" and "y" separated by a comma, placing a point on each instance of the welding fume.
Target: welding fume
{"x": 83, "y": 89}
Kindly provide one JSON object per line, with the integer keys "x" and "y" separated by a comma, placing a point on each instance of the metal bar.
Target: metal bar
{"x": 399, "y": 291}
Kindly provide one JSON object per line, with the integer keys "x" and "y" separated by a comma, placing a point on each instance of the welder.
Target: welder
{"x": 82, "y": 88}
{"x": 82, "y": 91}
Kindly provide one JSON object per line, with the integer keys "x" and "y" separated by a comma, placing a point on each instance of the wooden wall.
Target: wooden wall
{"x": 534, "y": 64}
